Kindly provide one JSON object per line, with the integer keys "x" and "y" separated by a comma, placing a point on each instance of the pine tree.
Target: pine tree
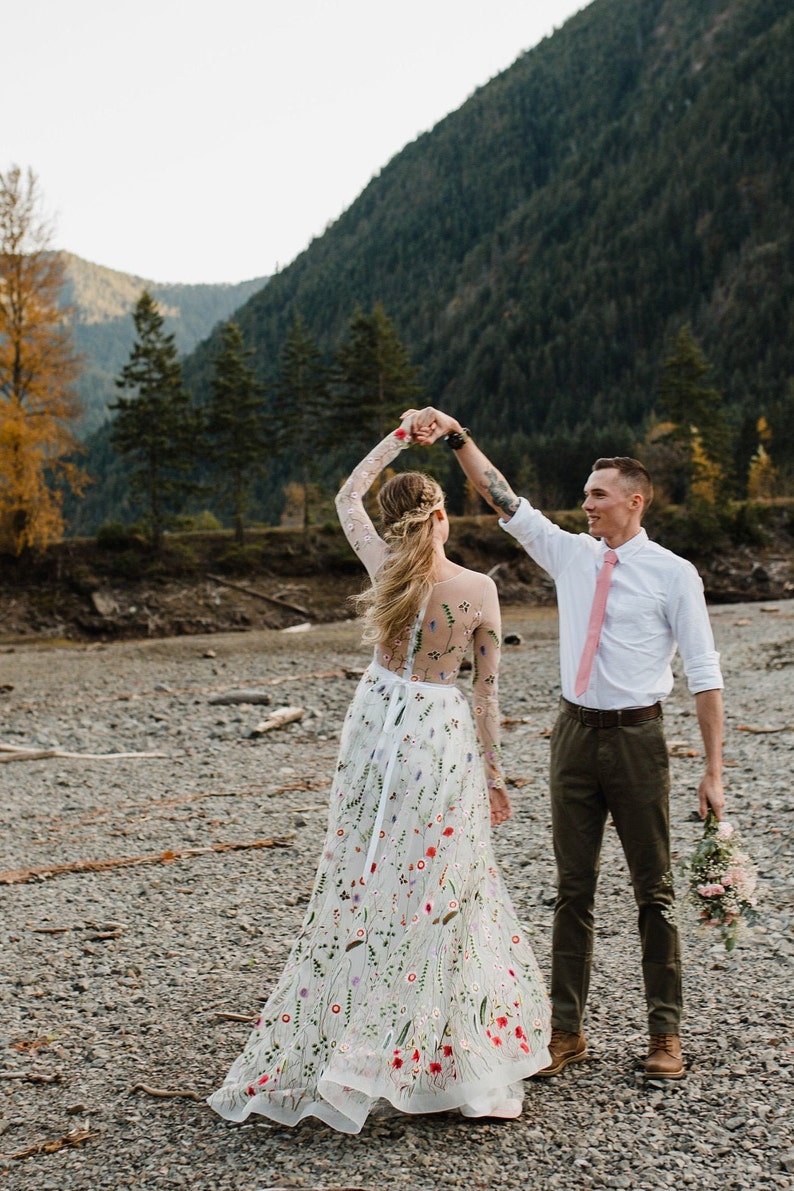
{"x": 374, "y": 380}
{"x": 695, "y": 408}
{"x": 302, "y": 411}
{"x": 156, "y": 427}
{"x": 38, "y": 367}
{"x": 235, "y": 425}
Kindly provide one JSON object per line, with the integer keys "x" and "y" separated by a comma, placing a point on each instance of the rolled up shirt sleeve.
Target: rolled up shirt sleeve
{"x": 689, "y": 620}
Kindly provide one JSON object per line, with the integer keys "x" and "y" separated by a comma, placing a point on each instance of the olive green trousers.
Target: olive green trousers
{"x": 624, "y": 772}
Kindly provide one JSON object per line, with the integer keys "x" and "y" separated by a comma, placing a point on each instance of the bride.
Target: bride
{"x": 411, "y": 980}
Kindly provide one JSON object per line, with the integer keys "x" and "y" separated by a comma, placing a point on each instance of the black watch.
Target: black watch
{"x": 458, "y": 438}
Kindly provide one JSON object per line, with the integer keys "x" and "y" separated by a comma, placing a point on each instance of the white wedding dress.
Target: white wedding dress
{"x": 411, "y": 980}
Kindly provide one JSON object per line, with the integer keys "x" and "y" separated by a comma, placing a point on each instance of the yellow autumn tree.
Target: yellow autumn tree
{"x": 763, "y": 478}
{"x": 707, "y": 476}
{"x": 38, "y": 367}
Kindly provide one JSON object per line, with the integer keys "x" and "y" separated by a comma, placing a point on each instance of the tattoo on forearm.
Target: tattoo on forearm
{"x": 498, "y": 492}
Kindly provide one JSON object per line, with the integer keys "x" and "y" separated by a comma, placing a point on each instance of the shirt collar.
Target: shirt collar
{"x": 629, "y": 548}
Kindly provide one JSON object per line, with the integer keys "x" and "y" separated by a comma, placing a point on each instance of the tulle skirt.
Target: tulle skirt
{"x": 411, "y": 980}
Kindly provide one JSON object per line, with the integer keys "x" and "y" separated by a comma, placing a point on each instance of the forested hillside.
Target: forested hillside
{"x": 539, "y": 250}
{"x": 103, "y": 300}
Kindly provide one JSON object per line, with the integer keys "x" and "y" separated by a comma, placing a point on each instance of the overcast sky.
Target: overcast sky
{"x": 210, "y": 140}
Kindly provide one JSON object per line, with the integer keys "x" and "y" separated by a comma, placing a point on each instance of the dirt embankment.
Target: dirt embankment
{"x": 203, "y": 583}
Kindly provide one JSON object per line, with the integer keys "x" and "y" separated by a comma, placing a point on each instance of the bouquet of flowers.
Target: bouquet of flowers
{"x": 721, "y": 881}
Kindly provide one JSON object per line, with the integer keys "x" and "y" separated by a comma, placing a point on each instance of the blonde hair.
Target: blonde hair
{"x": 407, "y": 504}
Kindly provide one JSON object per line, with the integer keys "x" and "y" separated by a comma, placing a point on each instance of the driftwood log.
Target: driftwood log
{"x": 21, "y": 876}
{"x": 17, "y": 752}
{"x": 259, "y": 595}
{"x": 277, "y": 719}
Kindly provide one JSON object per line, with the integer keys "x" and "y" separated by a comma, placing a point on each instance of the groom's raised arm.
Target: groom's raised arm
{"x": 430, "y": 424}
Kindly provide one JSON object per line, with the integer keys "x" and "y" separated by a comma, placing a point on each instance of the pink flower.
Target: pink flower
{"x": 724, "y": 829}
{"x": 430, "y": 852}
{"x": 714, "y": 889}
{"x": 502, "y": 1023}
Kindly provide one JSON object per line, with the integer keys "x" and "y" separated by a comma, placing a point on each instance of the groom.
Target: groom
{"x": 625, "y": 605}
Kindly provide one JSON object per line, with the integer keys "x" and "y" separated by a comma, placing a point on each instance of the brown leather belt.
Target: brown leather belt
{"x": 591, "y": 717}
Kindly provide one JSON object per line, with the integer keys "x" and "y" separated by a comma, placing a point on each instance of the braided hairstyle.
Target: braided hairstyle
{"x": 407, "y": 502}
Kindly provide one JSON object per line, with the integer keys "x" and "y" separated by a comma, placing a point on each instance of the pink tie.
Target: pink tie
{"x": 596, "y": 622}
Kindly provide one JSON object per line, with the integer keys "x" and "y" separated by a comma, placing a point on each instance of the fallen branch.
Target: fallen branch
{"x": 762, "y": 731}
{"x": 90, "y": 817}
{"x": 260, "y": 595}
{"x": 74, "y": 1137}
{"x": 17, "y": 752}
{"x": 131, "y": 696}
{"x": 680, "y": 748}
{"x": 223, "y": 1015}
{"x": 21, "y": 876}
{"x": 166, "y": 1093}
{"x": 32, "y": 1076}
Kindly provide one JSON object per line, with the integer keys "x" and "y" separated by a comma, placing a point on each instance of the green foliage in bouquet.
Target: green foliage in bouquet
{"x": 721, "y": 882}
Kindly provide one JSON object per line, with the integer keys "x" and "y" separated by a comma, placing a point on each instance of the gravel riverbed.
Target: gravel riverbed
{"x": 120, "y": 981}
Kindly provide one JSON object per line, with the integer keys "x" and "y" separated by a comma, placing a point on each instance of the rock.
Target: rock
{"x": 250, "y": 695}
{"x": 104, "y": 603}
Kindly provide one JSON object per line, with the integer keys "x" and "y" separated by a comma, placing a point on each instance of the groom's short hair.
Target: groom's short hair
{"x": 634, "y": 474}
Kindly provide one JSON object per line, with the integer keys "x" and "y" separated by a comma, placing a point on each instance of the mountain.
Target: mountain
{"x": 540, "y": 247}
{"x": 103, "y": 300}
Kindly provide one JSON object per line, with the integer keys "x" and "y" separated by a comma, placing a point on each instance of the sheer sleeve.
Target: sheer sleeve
{"x": 355, "y": 521}
{"x": 485, "y": 683}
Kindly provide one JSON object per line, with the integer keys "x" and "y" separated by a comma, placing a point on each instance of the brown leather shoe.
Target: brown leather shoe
{"x": 564, "y": 1048}
{"x": 664, "y": 1060}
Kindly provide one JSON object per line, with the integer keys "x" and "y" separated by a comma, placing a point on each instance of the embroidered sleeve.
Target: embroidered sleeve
{"x": 485, "y": 683}
{"x": 355, "y": 521}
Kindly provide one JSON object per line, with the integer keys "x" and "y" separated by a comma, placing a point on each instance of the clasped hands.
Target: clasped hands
{"x": 428, "y": 425}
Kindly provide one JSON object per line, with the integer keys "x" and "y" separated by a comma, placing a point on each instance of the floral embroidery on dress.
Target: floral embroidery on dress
{"x": 410, "y": 979}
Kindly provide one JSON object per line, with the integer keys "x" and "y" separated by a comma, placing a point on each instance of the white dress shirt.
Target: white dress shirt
{"x": 655, "y": 605}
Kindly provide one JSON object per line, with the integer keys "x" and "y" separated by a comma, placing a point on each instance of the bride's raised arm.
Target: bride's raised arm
{"x": 355, "y": 521}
